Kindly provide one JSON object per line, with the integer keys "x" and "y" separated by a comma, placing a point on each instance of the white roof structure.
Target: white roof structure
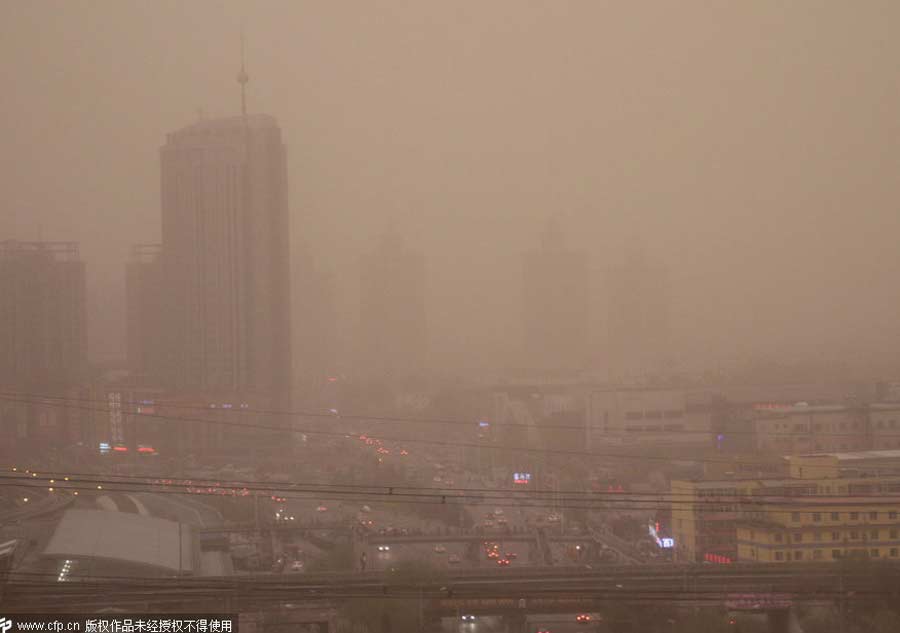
{"x": 122, "y": 537}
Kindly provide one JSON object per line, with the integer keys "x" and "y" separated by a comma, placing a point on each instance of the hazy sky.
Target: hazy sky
{"x": 754, "y": 145}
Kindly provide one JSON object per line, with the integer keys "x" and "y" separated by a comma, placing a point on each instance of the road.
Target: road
{"x": 470, "y": 588}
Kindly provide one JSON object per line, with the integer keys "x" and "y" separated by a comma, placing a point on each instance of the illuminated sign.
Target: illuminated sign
{"x": 521, "y": 478}
{"x": 718, "y": 559}
{"x": 484, "y": 424}
{"x": 663, "y": 542}
{"x": 104, "y": 447}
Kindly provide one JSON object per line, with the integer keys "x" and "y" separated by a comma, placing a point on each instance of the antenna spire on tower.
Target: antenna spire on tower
{"x": 243, "y": 78}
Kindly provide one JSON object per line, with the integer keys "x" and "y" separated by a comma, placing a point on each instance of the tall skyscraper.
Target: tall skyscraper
{"x": 393, "y": 328}
{"x": 226, "y": 258}
{"x": 145, "y": 309}
{"x": 555, "y": 304}
{"x": 43, "y": 334}
{"x": 639, "y": 344}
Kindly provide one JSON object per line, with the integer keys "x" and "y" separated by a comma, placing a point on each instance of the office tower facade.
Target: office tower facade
{"x": 145, "y": 308}
{"x": 226, "y": 259}
{"x": 393, "y": 329}
{"x": 555, "y": 304}
{"x": 43, "y": 334}
{"x": 639, "y": 343}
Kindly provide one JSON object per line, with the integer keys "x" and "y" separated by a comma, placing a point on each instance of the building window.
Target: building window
{"x": 894, "y": 552}
{"x": 835, "y": 553}
{"x": 817, "y": 554}
{"x": 818, "y": 536}
{"x": 873, "y": 534}
{"x": 854, "y": 535}
{"x": 854, "y": 516}
{"x": 892, "y": 515}
{"x": 873, "y": 553}
{"x": 873, "y": 516}
{"x": 779, "y": 555}
{"x": 795, "y": 517}
{"x": 835, "y": 516}
{"x": 835, "y": 536}
{"x": 798, "y": 537}
{"x": 778, "y": 537}
{"x": 894, "y": 533}
{"x": 817, "y": 517}
{"x": 798, "y": 555}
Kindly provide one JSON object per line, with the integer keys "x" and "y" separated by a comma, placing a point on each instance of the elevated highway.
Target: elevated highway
{"x": 713, "y": 584}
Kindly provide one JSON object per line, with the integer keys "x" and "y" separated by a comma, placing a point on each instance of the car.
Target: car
{"x": 583, "y": 618}
{"x": 512, "y": 555}
{"x": 440, "y": 549}
{"x": 493, "y": 554}
{"x": 366, "y": 509}
{"x": 502, "y": 521}
{"x": 488, "y": 523}
{"x": 467, "y": 617}
{"x": 553, "y": 518}
{"x": 453, "y": 559}
{"x": 384, "y": 548}
{"x": 503, "y": 562}
{"x": 498, "y": 511}
{"x": 543, "y": 631}
{"x": 297, "y": 565}
{"x": 322, "y": 509}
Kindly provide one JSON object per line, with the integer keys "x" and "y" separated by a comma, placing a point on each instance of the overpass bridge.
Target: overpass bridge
{"x": 713, "y": 584}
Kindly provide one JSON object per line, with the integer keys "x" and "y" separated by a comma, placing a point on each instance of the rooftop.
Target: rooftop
{"x": 856, "y": 455}
{"x": 123, "y": 537}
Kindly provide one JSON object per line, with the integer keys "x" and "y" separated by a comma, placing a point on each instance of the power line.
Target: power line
{"x": 446, "y": 421}
{"x": 402, "y": 440}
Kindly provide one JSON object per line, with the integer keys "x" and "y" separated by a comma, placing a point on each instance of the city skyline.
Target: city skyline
{"x": 622, "y": 157}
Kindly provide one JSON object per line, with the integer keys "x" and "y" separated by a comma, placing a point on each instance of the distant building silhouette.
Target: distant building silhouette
{"x": 315, "y": 321}
{"x": 393, "y": 330}
{"x": 226, "y": 258}
{"x": 43, "y": 345}
{"x": 555, "y": 304}
{"x": 145, "y": 308}
{"x": 43, "y": 335}
{"x": 639, "y": 344}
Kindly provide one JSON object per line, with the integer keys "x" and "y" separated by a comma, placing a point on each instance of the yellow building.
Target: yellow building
{"x": 831, "y": 506}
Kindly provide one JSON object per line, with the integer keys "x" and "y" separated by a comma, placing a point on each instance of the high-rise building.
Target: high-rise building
{"x": 393, "y": 327}
{"x": 555, "y": 304}
{"x": 638, "y": 318}
{"x": 145, "y": 307}
{"x": 43, "y": 344}
{"x": 43, "y": 335}
{"x": 226, "y": 258}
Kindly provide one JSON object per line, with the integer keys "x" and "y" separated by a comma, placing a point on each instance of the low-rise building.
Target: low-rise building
{"x": 828, "y": 507}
